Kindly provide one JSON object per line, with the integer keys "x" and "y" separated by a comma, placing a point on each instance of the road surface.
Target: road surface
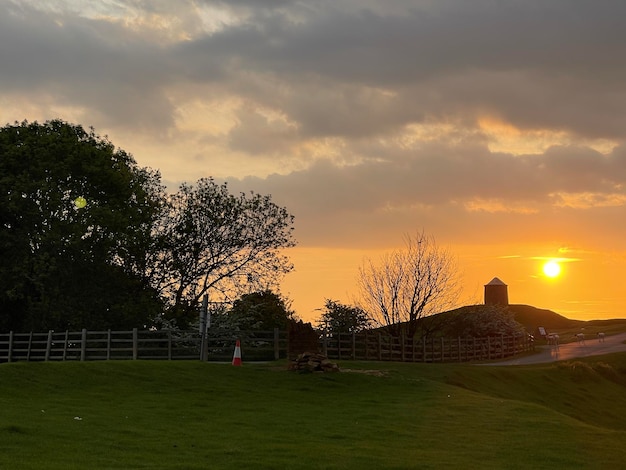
{"x": 590, "y": 347}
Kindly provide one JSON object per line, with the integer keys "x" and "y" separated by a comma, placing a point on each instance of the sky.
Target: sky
{"x": 496, "y": 127}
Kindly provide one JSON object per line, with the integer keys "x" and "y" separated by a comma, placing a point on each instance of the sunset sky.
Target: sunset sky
{"x": 499, "y": 128}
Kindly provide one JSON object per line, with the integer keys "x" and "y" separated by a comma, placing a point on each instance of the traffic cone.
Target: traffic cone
{"x": 237, "y": 355}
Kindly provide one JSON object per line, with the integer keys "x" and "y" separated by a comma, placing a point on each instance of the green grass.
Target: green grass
{"x": 193, "y": 415}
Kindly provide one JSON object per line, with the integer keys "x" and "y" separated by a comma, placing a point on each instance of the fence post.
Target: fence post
{"x": 48, "y": 346}
{"x": 30, "y": 343}
{"x": 135, "y": 345}
{"x": 443, "y": 348}
{"x": 108, "y": 344}
{"x": 10, "y": 351}
{"x": 83, "y": 344}
{"x": 424, "y": 349}
{"x": 67, "y": 335}
{"x": 402, "y": 356}
{"x": 366, "y": 345}
{"x": 169, "y": 345}
{"x": 325, "y": 343}
{"x": 276, "y": 344}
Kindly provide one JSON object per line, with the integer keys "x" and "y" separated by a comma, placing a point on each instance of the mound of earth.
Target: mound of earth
{"x": 533, "y": 317}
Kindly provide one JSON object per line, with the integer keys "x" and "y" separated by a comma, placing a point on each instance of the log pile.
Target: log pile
{"x": 313, "y": 362}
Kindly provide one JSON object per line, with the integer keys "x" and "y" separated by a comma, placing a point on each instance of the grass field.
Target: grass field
{"x": 193, "y": 415}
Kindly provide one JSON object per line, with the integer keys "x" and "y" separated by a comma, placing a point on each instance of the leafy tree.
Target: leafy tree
{"x": 340, "y": 318}
{"x": 407, "y": 285}
{"x": 63, "y": 265}
{"x": 264, "y": 310}
{"x": 220, "y": 244}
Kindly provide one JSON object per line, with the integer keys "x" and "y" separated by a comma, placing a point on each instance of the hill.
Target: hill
{"x": 533, "y": 317}
{"x": 528, "y": 316}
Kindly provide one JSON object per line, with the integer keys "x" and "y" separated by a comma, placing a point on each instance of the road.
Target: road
{"x": 591, "y": 347}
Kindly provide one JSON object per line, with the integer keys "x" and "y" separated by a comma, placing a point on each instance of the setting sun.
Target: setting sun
{"x": 551, "y": 269}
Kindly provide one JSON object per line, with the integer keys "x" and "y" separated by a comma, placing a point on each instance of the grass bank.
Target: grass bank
{"x": 193, "y": 415}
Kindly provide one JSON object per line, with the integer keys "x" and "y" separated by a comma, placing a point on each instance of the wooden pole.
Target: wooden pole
{"x": 339, "y": 345}
{"x": 108, "y": 344}
{"x": 83, "y": 345}
{"x": 10, "y": 351}
{"x": 48, "y": 346}
{"x": 67, "y": 335}
{"x": 443, "y": 349}
{"x": 135, "y": 344}
{"x": 169, "y": 345}
{"x": 276, "y": 344}
{"x": 30, "y": 343}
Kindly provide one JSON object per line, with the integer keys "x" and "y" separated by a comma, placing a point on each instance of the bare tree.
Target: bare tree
{"x": 409, "y": 284}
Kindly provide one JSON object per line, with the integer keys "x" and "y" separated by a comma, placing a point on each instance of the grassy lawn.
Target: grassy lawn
{"x": 188, "y": 415}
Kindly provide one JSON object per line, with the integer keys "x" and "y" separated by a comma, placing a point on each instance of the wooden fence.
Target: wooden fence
{"x": 219, "y": 345}
{"x": 140, "y": 344}
{"x": 380, "y": 347}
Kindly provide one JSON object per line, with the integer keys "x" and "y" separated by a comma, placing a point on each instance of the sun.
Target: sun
{"x": 551, "y": 269}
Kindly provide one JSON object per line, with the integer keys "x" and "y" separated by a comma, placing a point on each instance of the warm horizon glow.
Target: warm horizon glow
{"x": 552, "y": 269}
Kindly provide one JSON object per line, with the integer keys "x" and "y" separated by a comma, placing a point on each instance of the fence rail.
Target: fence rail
{"x": 139, "y": 344}
{"x": 380, "y": 347}
{"x": 219, "y": 345}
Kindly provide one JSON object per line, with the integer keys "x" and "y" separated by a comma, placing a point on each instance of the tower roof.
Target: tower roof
{"x": 496, "y": 282}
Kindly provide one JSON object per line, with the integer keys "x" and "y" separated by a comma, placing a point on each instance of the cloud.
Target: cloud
{"x": 361, "y": 118}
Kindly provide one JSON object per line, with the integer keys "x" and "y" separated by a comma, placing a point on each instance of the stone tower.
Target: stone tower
{"x": 496, "y": 293}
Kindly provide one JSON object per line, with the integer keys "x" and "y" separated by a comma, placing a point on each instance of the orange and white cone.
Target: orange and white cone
{"x": 237, "y": 355}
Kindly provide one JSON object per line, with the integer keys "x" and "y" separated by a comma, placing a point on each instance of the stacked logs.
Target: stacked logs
{"x": 313, "y": 362}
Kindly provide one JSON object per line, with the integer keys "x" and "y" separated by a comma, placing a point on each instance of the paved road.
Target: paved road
{"x": 591, "y": 347}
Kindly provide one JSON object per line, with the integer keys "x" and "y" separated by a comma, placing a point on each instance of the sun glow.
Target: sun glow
{"x": 551, "y": 269}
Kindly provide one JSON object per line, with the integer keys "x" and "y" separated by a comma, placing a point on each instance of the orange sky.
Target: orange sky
{"x": 498, "y": 129}
{"x": 588, "y": 287}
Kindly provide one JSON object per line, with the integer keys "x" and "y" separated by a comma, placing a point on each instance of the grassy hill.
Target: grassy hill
{"x": 194, "y": 415}
{"x": 532, "y": 318}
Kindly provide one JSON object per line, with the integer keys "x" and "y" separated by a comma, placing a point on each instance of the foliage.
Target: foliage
{"x": 90, "y": 240}
{"x": 64, "y": 266}
{"x": 340, "y": 318}
{"x": 407, "y": 285}
{"x": 219, "y": 244}
{"x": 264, "y": 310}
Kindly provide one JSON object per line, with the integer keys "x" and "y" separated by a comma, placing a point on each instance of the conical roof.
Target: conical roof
{"x": 496, "y": 282}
